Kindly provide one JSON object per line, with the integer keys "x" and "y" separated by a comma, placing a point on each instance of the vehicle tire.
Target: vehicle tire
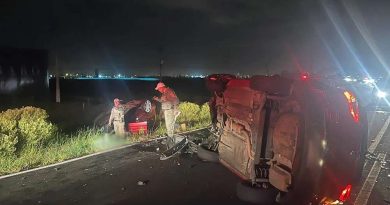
{"x": 300, "y": 181}
{"x": 207, "y": 155}
{"x": 248, "y": 193}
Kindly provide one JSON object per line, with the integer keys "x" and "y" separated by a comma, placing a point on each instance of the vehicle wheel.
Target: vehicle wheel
{"x": 294, "y": 123}
{"x": 248, "y": 193}
{"x": 207, "y": 155}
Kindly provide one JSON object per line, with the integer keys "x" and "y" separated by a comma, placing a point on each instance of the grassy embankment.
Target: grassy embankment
{"x": 29, "y": 140}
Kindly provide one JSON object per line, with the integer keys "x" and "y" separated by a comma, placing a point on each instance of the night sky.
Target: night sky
{"x": 203, "y": 36}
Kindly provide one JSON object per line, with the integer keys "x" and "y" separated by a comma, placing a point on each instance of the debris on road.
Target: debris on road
{"x": 139, "y": 160}
{"x": 57, "y": 168}
{"x": 84, "y": 185}
{"x": 175, "y": 149}
{"x": 142, "y": 183}
{"x": 123, "y": 188}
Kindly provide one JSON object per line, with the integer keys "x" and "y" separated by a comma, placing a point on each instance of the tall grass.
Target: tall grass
{"x": 61, "y": 147}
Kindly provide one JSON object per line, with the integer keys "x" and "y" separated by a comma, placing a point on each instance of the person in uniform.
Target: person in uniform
{"x": 169, "y": 104}
{"x": 117, "y": 118}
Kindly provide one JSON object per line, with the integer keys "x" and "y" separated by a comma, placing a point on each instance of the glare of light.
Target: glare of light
{"x": 321, "y": 162}
{"x": 346, "y": 39}
{"x": 348, "y": 79}
{"x": 100, "y": 76}
{"x": 67, "y": 74}
{"x": 368, "y": 81}
{"x": 381, "y": 94}
{"x": 323, "y": 143}
{"x": 119, "y": 75}
{"x": 360, "y": 24}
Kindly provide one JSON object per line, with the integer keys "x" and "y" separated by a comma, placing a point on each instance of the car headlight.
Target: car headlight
{"x": 381, "y": 94}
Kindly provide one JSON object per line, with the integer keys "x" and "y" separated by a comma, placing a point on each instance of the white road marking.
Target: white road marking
{"x": 379, "y": 136}
{"x": 369, "y": 183}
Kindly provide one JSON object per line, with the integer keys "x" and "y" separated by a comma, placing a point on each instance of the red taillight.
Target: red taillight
{"x": 304, "y": 76}
{"x": 213, "y": 78}
{"x": 345, "y": 193}
{"x": 352, "y": 105}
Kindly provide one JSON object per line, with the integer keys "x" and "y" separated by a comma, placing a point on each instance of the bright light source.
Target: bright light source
{"x": 321, "y": 162}
{"x": 100, "y": 76}
{"x": 368, "y": 81}
{"x": 348, "y": 79}
{"x": 345, "y": 193}
{"x": 304, "y": 77}
{"x": 381, "y": 94}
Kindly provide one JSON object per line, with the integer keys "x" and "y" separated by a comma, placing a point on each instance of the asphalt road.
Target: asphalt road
{"x": 113, "y": 178}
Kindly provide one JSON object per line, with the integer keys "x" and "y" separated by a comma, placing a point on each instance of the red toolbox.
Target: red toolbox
{"x": 138, "y": 127}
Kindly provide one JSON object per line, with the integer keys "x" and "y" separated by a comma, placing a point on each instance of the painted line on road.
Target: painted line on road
{"x": 91, "y": 155}
{"x": 379, "y": 136}
{"x": 369, "y": 183}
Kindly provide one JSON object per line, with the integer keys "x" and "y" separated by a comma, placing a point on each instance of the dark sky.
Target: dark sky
{"x": 203, "y": 36}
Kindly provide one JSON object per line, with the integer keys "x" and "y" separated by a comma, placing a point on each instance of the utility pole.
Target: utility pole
{"x": 58, "y": 94}
{"x": 161, "y": 65}
{"x": 161, "y": 49}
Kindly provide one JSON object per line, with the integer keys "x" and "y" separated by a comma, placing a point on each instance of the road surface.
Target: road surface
{"x": 135, "y": 175}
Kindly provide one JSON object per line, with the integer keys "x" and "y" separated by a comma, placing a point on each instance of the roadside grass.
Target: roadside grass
{"x": 86, "y": 141}
{"x": 61, "y": 148}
